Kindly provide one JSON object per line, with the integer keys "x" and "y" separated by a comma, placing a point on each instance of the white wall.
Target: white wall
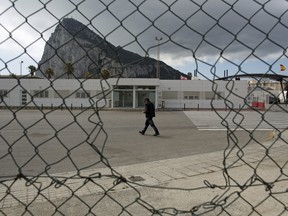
{"x": 234, "y": 91}
{"x": 30, "y": 85}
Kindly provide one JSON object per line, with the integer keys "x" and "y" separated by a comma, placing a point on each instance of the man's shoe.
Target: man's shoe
{"x": 156, "y": 134}
{"x": 141, "y": 132}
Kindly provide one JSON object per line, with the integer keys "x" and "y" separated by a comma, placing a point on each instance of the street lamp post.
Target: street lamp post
{"x": 158, "y": 56}
{"x": 21, "y": 62}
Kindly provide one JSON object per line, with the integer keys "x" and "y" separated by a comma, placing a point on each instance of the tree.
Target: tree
{"x": 105, "y": 73}
{"x": 49, "y": 72}
{"x": 88, "y": 75}
{"x": 69, "y": 69}
{"x": 32, "y": 70}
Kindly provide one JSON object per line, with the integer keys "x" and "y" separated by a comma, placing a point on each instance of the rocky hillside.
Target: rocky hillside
{"x": 75, "y": 51}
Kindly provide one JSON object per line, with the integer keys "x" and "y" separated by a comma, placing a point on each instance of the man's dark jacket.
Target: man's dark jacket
{"x": 149, "y": 110}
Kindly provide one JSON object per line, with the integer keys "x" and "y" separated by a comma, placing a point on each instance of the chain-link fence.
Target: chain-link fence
{"x": 246, "y": 36}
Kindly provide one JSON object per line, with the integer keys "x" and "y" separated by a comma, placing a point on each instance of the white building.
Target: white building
{"x": 123, "y": 93}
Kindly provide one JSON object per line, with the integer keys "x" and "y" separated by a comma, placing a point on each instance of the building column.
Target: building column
{"x": 157, "y": 97}
{"x": 112, "y": 97}
{"x": 134, "y": 96}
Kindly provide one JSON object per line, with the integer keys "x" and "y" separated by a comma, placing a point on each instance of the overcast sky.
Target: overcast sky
{"x": 211, "y": 36}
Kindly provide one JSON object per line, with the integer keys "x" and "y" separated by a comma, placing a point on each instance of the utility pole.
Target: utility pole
{"x": 158, "y": 56}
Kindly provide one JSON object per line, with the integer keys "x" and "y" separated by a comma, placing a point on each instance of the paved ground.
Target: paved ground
{"x": 48, "y": 143}
{"x": 197, "y": 156}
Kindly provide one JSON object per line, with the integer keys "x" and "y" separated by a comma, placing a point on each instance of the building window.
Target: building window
{"x": 62, "y": 94}
{"x": 219, "y": 96}
{"x": 191, "y": 95}
{"x": 82, "y": 94}
{"x": 170, "y": 95}
{"x": 123, "y": 87}
{"x": 214, "y": 96}
{"x": 145, "y": 87}
{"x": 3, "y": 93}
{"x": 102, "y": 94}
{"x": 41, "y": 94}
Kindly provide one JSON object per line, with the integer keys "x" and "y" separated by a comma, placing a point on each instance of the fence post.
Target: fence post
{"x": 198, "y": 107}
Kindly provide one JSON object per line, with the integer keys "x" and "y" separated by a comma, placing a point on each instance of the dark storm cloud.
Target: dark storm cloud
{"x": 232, "y": 28}
{"x": 204, "y": 27}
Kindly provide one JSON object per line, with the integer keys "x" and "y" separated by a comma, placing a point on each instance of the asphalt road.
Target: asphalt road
{"x": 40, "y": 143}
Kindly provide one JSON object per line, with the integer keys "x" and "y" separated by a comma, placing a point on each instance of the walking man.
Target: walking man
{"x": 149, "y": 114}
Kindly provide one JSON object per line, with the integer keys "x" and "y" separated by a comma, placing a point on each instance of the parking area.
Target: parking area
{"x": 47, "y": 143}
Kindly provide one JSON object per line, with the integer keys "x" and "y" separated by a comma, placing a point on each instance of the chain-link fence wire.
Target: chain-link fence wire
{"x": 234, "y": 197}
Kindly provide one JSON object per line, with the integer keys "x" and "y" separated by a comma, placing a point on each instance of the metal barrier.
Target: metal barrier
{"x": 18, "y": 15}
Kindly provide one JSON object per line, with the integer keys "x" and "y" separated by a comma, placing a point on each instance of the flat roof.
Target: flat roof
{"x": 277, "y": 77}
